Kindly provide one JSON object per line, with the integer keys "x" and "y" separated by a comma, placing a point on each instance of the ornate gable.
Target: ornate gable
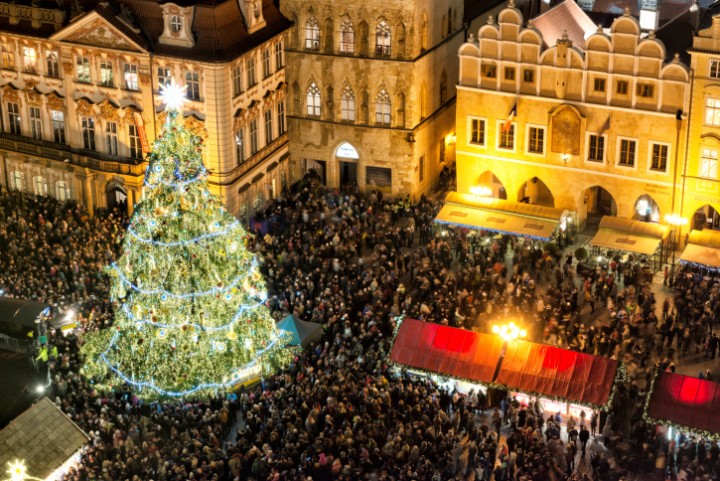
{"x": 95, "y": 31}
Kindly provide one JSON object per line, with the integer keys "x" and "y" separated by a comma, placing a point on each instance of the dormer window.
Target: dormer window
{"x": 176, "y": 23}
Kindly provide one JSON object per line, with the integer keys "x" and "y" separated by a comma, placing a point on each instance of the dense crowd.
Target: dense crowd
{"x": 354, "y": 262}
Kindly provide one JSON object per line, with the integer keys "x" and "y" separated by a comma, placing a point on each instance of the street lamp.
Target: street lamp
{"x": 507, "y": 332}
{"x": 676, "y": 222}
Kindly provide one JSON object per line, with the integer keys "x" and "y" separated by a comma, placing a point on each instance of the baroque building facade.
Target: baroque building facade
{"x": 372, "y": 91}
{"x": 560, "y": 112}
{"x": 79, "y": 89}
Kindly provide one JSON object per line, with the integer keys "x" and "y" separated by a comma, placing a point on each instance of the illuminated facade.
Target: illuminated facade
{"x": 372, "y": 91}
{"x": 80, "y": 106}
{"x": 559, "y": 112}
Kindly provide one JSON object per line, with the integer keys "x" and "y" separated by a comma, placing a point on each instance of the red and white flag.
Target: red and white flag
{"x": 510, "y": 118}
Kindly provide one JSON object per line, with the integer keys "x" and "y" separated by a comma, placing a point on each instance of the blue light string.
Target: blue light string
{"x": 132, "y": 232}
{"x": 153, "y": 386}
{"x": 229, "y": 325}
{"x": 214, "y": 290}
{"x": 174, "y": 185}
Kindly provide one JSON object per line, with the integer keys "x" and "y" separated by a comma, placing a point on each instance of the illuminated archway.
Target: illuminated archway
{"x": 706, "y": 217}
{"x": 488, "y": 182}
{"x": 535, "y": 191}
{"x": 646, "y": 209}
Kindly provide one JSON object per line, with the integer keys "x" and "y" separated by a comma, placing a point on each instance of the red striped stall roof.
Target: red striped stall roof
{"x": 687, "y": 401}
{"x": 446, "y": 350}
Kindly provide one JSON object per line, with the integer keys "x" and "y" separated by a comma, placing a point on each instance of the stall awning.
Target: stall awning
{"x": 554, "y": 372}
{"x": 703, "y": 248}
{"x": 687, "y": 401}
{"x": 446, "y": 350}
{"x": 499, "y": 215}
{"x": 629, "y": 235}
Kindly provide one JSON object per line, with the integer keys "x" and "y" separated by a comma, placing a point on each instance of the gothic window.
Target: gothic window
{"x": 347, "y": 36}
{"x": 313, "y": 100}
{"x": 312, "y": 34}
{"x": 382, "y": 39}
{"x": 382, "y": 108}
{"x": 347, "y": 104}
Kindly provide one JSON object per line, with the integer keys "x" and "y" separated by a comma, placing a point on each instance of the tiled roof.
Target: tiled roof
{"x": 668, "y": 9}
{"x": 43, "y": 436}
{"x": 565, "y": 17}
{"x": 474, "y": 8}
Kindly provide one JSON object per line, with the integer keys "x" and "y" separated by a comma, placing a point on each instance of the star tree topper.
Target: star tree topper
{"x": 173, "y": 95}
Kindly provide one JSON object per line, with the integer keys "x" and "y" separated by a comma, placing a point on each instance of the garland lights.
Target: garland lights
{"x": 190, "y": 315}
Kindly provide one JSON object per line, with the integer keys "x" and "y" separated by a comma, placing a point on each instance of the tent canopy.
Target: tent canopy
{"x": 688, "y": 401}
{"x": 551, "y": 371}
{"x": 629, "y": 235}
{"x": 528, "y": 367}
{"x": 703, "y": 248}
{"x": 446, "y": 350}
{"x": 303, "y": 333}
{"x": 499, "y": 215}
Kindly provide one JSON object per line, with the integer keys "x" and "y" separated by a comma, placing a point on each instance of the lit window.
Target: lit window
{"x": 313, "y": 100}
{"x": 712, "y": 111}
{"x": 14, "y": 118}
{"x": 29, "y": 59}
{"x": 58, "y": 125}
{"x": 62, "y": 190}
{"x": 131, "y": 77}
{"x": 176, "y": 23}
{"x": 83, "y": 69}
{"x": 709, "y": 164}
{"x": 312, "y": 34}
{"x": 627, "y": 152}
{"x": 7, "y": 58}
{"x": 17, "y": 180}
{"x": 106, "y": 74}
{"x": 192, "y": 80}
{"x": 87, "y": 125}
{"x": 536, "y": 140}
{"x": 164, "y": 76}
{"x": 347, "y": 36}
{"x": 134, "y": 142}
{"x": 382, "y": 108}
{"x": 237, "y": 80}
{"x": 40, "y": 185}
{"x": 53, "y": 66}
{"x": 240, "y": 145}
{"x": 658, "y": 162}
{"x": 35, "y": 123}
{"x": 382, "y": 39}
{"x": 714, "y": 69}
{"x": 596, "y": 148}
{"x": 506, "y": 139}
{"x": 477, "y": 131}
{"x": 111, "y": 140}
{"x": 347, "y": 104}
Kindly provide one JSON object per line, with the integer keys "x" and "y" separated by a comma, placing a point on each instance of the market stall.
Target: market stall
{"x": 617, "y": 234}
{"x": 703, "y": 249}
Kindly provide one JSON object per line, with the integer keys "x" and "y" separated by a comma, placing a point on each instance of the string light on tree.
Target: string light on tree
{"x": 190, "y": 315}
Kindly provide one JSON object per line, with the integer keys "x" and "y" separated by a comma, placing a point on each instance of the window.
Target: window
{"x": 134, "y": 142}
{"x": 528, "y": 75}
{"x": 164, "y": 76}
{"x": 83, "y": 69}
{"x": 712, "y": 111}
{"x": 509, "y": 73}
{"x": 253, "y": 137}
{"x": 489, "y": 71}
{"x": 347, "y": 36}
{"x": 281, "y": 117}
{"x": 506, "y": 138}
{"x": 58, "y": 125}
{"x": 313, "y": 100}
{"x": 237, "y": 81}
{"x": 176, "y": 23}
{"x": 88, "y": 132}
{"x": 421, "y": 168}
{"x": 645, "y": 90}
{"x": 40, "y": 185}
{"x": 382, "y": 108}
{"x": 14, "y": 118}
{"x": 111, "y": 140}
{"x": 382, "y": 39}
{"x": 266, "y": 63}
{"x": 240, "y": 145}
{"x": 17, "y": 180}
{"x": 536, "y": 140}
{"x": 106, "y": 74}
{"x": 251, "y": 72}
{"x": 268, "y": 127}
{"x": 658, "y": 161}
{"x": 7, "y": 59}
{"x": 621, "y": 87}
{"x": 279, "y": 62}
{"x": 347, "y": 104}
{"x": 709, "y": 164}
{"x": 312, "y": 34}
{"x": 599, "y": 85}
{"x": 131, "y": 77}
{"x": 192, "y": 80}
{"x": 627, "y": 153}
{"x": 477, "y": 131}
{"x": 596, "y": 148}
{"x": 714, "y": 69}
{"x": 62, "y": 190}
{"x": 35, "y": 123}
{"x": 29, "y": 59}
{"x": 53, "y": 66}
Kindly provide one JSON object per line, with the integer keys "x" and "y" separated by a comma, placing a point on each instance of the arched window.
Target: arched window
{"x": 347, "y": 36}
{"x": 313, "y": 100}
{"x": 382, "y": 108}
{"x": 382, "y": 39}
{"x": 312, "y": 34}
{"x": 347, "y": 104}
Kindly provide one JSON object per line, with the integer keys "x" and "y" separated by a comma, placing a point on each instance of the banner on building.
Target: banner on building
{"x": 140, "y": 126}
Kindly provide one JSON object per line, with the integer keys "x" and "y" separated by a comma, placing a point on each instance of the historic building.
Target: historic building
{"x": 372, "y": 91}
{"x": 560, "y": 112}
{"x": 79, "y": 92}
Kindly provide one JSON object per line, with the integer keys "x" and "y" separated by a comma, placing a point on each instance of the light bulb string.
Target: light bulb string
{"x": 186, "y": 242}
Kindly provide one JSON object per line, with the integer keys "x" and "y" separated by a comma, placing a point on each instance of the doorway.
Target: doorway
{"x": 348, "y": 173}
{"x": 116, "y": 197}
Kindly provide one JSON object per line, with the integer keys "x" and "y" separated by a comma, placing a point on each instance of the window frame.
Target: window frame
{"x": 87, "y": 129}
{"x": 111, "y": 138}
{"x": 599, "y": 82}
{"x": 642, "y": 89}
{"x": 500, "y": 134}
{"x": 312, "y": 34}
{"x": 715, "y": 109}
{"x": 281, "y": 118}
{"x": 541, "y": 128}
{"x": 105, "y": 80}
{"x": 268, "y": 124}
{"x": 619, "y": 152}
{"x": 528, "y": 72}
{"x": 134, "y": 142}
{"x": 58, "y": 126}
{"x": 82, "y": 66}
{"x": 279, "y": 56}
{"x": 237, "y": 79}
{"x": 30, "y": 66}
{"x": 35, "y": 122}
{"x": 176, "y": 23}
{"x": 383, "y": 39}
{"x": 347, "y": 36}
{"x": 622, "y": 87}
{"x": 509, "y": 74}
{"x": 40, "y": 185}
{"x": 383, "y": 108}
{"x": 314, "y": 109}
{"x": 651, "y": 155}
{"x": 240, "y": 157}
{"x": 470, "y": 131}
{"x": 250, "y": 71}
{"x": 192, "y": 80}
{"x": 7, "y": 56}
{"x": 347, "y": 104}
{"x": 131, "y": 77}
{"x": 267, "y": 67}
{"x": 588, "y": 141}
{"x": 52, "y": 64}
{"x": 714, "y": 68}
{"x": 704, "y": 158}
{"x": 166, "y": 78}
{"x": 488, "y": 70}
{"x": 254, "y": 143}
{"x": 62, "y": 186}
{"x": 14, "y": 119}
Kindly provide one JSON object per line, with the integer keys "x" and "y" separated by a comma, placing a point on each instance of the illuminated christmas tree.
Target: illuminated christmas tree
{"x": 190, "y": 318}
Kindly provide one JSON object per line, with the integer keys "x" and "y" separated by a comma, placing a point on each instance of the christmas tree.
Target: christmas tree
{"x": 190, "y": 318}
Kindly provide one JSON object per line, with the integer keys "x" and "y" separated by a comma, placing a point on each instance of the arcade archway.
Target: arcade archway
{"x": 646, "y": 209}
{"x": 595, "y": 203}
{"x": 116, "y": 197}
{"x": 347, "y": 158}
{"x": 536, "y": 192}
{"x": 706, "y": 217}
{"x": 490, "y": 185}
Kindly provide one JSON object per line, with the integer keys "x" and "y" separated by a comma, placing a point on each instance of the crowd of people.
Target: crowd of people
{"x": 354, "y": 263}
